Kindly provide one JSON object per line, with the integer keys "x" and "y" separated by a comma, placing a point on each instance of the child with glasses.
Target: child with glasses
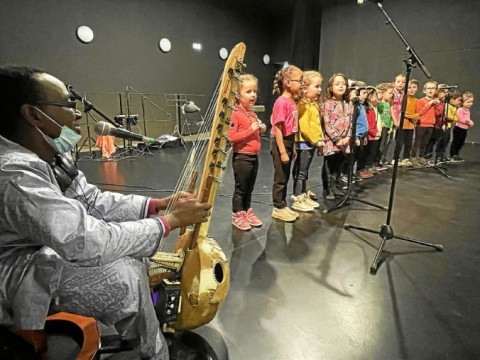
{"x": 288, "y": 84}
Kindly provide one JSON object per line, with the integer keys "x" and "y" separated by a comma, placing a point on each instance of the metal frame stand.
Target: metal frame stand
{"x": 441, "y": 169}
{"x": 89, "y": 140}
{"x": 386, "y": 231}
{"x": 130, "y": 151}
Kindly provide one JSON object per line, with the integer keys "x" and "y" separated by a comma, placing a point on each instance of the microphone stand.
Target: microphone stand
{"x": 129, "y": 148}
{"x": 88, "y": 140}
{"x": 386, "y": 230}
{"x": 87, "y": 108}
{"x": 150, "y": 101}
{"x": 347, "y": 198}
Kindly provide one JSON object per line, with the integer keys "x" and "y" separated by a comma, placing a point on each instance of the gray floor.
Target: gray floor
{"x": 304, "y": 291}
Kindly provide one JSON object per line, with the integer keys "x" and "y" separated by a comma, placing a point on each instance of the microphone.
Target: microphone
{"x": 361, "y": 2}
{"x": 189, "y": 107}
{"x": 448, "y": 87}
{"x": 87, "y": 104}
{"x": 103, "y": 128}
{"x": 357, "y": 88}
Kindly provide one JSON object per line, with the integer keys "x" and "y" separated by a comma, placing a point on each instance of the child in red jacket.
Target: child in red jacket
{"x": 244, "y": 134}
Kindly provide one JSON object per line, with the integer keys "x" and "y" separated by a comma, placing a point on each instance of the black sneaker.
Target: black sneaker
{"x": 456, "y": 158}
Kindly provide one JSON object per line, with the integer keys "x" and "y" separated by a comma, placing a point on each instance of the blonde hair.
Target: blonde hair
{"x": 384, "y": 86}
{"x": 308, "y": 77}
{"x": 414, "y": 81}
{"x": 281, "y": 76}
{"x": 245, "y": 77}
{"x": 467, "y": 95}
{"x": 430, "y": 82}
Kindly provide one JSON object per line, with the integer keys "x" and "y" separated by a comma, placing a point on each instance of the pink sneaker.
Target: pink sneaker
{"x": 239, "y": 220}
{"x": 252, "y": 219}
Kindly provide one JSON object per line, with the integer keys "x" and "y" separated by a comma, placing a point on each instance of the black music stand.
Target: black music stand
{"x": 348, "y": 197}
{"x": 386, "y": 230}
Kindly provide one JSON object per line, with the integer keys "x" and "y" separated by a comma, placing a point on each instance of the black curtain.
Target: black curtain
{"x": 305, "y": 40}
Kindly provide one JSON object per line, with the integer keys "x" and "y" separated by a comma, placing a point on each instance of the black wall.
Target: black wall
{"x": 125, "y": 48}
{"x": 444, "y": 33}
{"x": 351, "y": 38}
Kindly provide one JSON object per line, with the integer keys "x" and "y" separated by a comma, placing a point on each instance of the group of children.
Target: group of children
{"x": 351, "y": 117}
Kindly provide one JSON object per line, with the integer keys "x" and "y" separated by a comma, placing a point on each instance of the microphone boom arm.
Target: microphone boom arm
{"x": 414, "y": 58}
{"x": 88, "y": 106}
{"x": 150, "y": 101}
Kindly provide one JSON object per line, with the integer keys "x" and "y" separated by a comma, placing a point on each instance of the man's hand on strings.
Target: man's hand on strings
{"x": 187, "y": 211}
{"x": 162, "y": 204}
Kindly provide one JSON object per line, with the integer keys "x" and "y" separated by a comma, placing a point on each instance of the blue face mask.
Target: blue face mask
{"x": 65, "y": 142}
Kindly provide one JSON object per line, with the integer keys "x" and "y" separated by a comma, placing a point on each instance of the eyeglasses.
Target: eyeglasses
{"x": 430, "y": 88}
{"x": 68, "y": 104}
{"x": 297, "y": 80}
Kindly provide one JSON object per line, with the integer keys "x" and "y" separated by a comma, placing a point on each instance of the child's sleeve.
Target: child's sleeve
{"x": 235, "y": 134}
{"x": 309, "y": 120}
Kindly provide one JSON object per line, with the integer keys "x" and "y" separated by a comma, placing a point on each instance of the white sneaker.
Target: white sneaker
{"x": 312, "y": 195}
{"x": 299, "y": 203}
{"x": 310, "y": 202}
{"x": 283, "y": 214}
{"x": 291, "y": 212}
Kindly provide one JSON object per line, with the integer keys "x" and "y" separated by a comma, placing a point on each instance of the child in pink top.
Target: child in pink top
{"x": 463, "y": 124}
{"x": 288, "y": 83}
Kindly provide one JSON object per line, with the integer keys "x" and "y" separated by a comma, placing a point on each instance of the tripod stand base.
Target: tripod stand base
{"x": 386, "y": 233}
{"x": 442, "y": 170}
{"x": 346, "y": 201}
